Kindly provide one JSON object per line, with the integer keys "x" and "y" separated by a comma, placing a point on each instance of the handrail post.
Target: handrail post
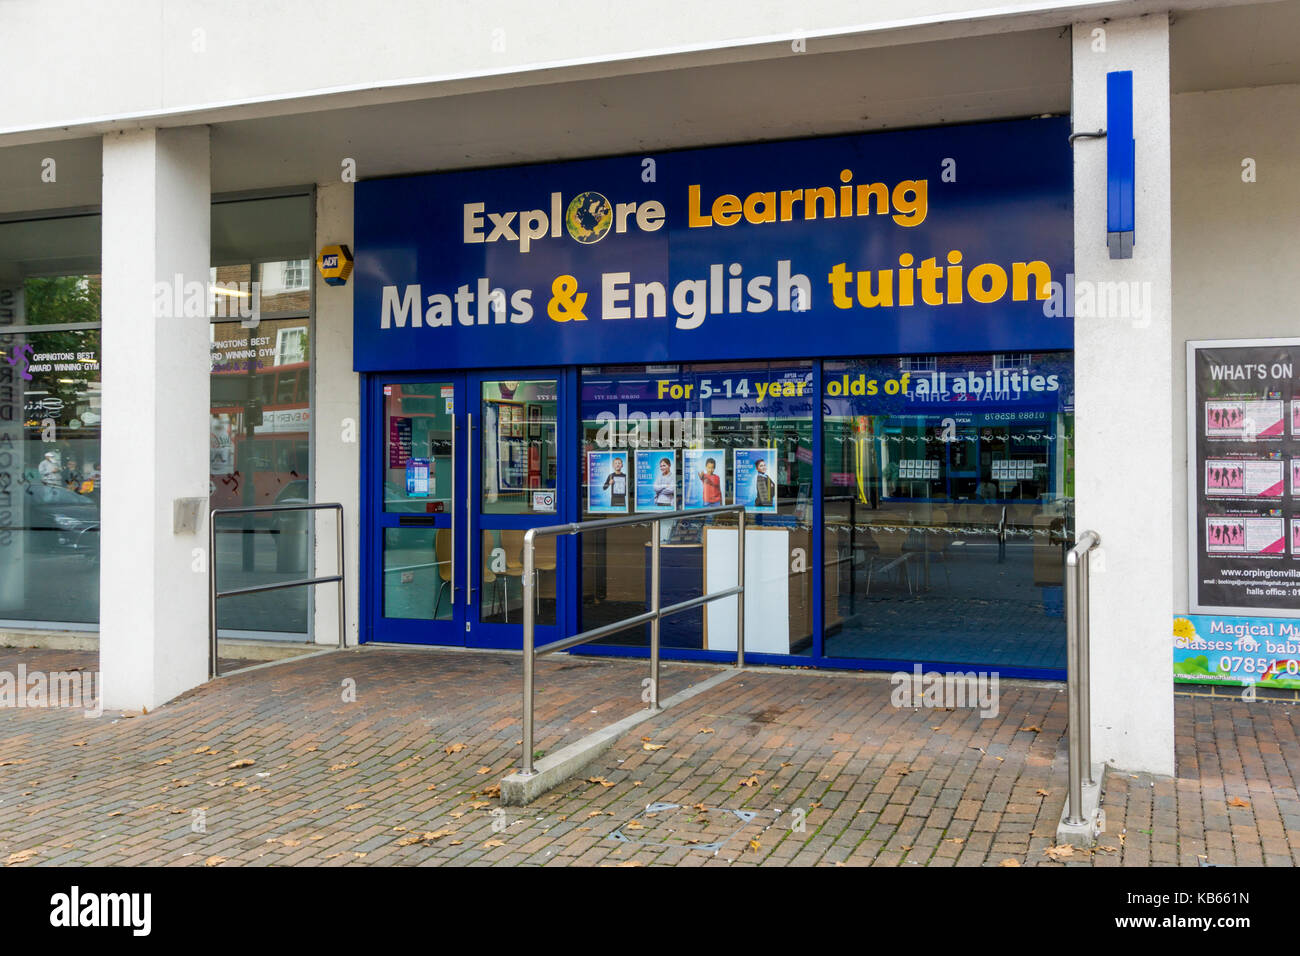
{"x": 213, "y": 666}
{"x": 1085, "y": 667}
{"x": 654, "y": 624}
{"x": 343, "y": 590}
{"x": 1072, "y": 682}
{"x": 529, "y": 655}
{"x": 740, "y": 582}
{"x": 1078, "y": 670}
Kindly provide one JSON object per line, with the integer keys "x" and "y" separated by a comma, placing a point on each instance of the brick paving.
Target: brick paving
{"x": 773, "y": 767}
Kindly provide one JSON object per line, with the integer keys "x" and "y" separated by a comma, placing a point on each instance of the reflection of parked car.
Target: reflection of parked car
{"x": 59, "y": 520}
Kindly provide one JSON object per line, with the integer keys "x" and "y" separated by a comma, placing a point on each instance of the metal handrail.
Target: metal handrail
{"x": 653, "y": 616}
{"x": 214, "y": 666}
{"x": 1077, "y": 672}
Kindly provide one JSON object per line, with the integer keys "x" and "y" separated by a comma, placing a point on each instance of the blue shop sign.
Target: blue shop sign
{"x": 938, "y": 240}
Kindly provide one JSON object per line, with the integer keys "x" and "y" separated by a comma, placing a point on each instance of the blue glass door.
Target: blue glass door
{"x": 418, "y": 536}
{"x": 519, "y": 479}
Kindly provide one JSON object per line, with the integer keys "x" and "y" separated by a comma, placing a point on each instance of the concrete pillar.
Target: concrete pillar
{"x": 1123, "y": 409}
{"x": 337, "y": 469}
{"x": 153, "y": 580}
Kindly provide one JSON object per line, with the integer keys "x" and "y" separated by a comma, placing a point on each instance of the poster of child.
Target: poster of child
{"x": 756, "y": 479}
{"x": 656, "y": 480}
{"x": 704, "y": 477}
{"x": 607, "y": 482}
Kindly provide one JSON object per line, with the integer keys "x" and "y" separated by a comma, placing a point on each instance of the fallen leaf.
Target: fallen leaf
{"x": 653, "y": 746}
{"x": 1043, "y": 793}
{"x": 1033, "y": 728}
{"x": 201, "y": 750}
{"x": 79, "y": 743}
{"x": 955, "y": 840}
{"x": 241, "y": 762}
{"x": 492, "y": 843}
{"x": 705, "y": 730}
{"x": 600, "y": 780}
{"x": 214, "y": 861}
{"x": 453, "y": 748}
{"x": 22, "y": 856}
{"x": 483, "y": 770}
{"x": 339, "y": 766}
{"x": 354, "y": 806}
{"x": 749, "y": 782}
{"x": 1009, "y": 862}
{"x": 1238, "y": 802}
{"x": 633, "y": 825}
{"x": 1062, "y": 852}
{"x": 492, "y": 791}
{"x": 754, "y": 845}
{"x": 424, "y": 838}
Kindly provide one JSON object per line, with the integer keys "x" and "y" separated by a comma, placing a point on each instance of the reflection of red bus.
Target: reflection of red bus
{"x": 276, "y": 457}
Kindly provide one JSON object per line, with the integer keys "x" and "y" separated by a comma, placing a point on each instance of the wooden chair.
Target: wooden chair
{"x": 442, "y": 555}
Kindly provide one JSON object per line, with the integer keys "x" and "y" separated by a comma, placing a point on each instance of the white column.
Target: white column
{"x": 1123, "y": 402}
{"x": 153, "y": 581}
{"x": 337, "y": 422}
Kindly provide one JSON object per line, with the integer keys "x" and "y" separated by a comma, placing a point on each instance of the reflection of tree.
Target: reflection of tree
{"x": 62, "y": 299}
{"x": 59, "y": 300}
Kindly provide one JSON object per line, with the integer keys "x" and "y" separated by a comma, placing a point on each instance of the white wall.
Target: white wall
{"x": 1236, "y": 250}
{"x": 1122, "y": 412}
{"x": 337, "y": 418}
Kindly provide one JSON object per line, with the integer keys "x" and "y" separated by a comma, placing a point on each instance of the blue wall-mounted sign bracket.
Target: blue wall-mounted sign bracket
{"x": 1120, "y": 164}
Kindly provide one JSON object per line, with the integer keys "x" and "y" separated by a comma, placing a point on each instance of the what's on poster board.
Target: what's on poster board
{"x": 1243, "y": 442}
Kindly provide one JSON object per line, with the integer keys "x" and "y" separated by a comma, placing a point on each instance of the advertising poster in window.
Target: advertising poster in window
{"x": 607, "y": 482}
{"x": 656, "y": 481}
{"x": 756, "y": 479}
{"x": 1242, "y": 477}
{"x": 704, "y": 477}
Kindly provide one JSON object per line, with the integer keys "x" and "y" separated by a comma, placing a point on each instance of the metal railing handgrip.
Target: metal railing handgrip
{"x": 214, "y": 664}
{"x": 654, "y": 616}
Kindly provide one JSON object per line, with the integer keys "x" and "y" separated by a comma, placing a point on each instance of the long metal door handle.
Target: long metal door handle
{"x": 451, "y": 502}
{"x": 469, "y": 503}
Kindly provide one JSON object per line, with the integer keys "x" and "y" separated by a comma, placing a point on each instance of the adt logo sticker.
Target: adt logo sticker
{"x": 335, "y": 264}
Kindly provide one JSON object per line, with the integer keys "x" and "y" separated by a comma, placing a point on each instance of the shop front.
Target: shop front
{"x": 857, "y": 338}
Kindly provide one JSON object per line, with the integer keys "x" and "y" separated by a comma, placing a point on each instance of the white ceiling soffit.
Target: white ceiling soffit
{"x": 1235, "y": 47}
{"x": 977, "y": 78}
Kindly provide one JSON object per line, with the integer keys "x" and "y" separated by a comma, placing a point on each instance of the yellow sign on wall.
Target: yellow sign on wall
{"x": 335, "y": 264}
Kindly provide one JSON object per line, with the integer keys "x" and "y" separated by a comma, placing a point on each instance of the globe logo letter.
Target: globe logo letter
{"x": 588, "y": 217}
